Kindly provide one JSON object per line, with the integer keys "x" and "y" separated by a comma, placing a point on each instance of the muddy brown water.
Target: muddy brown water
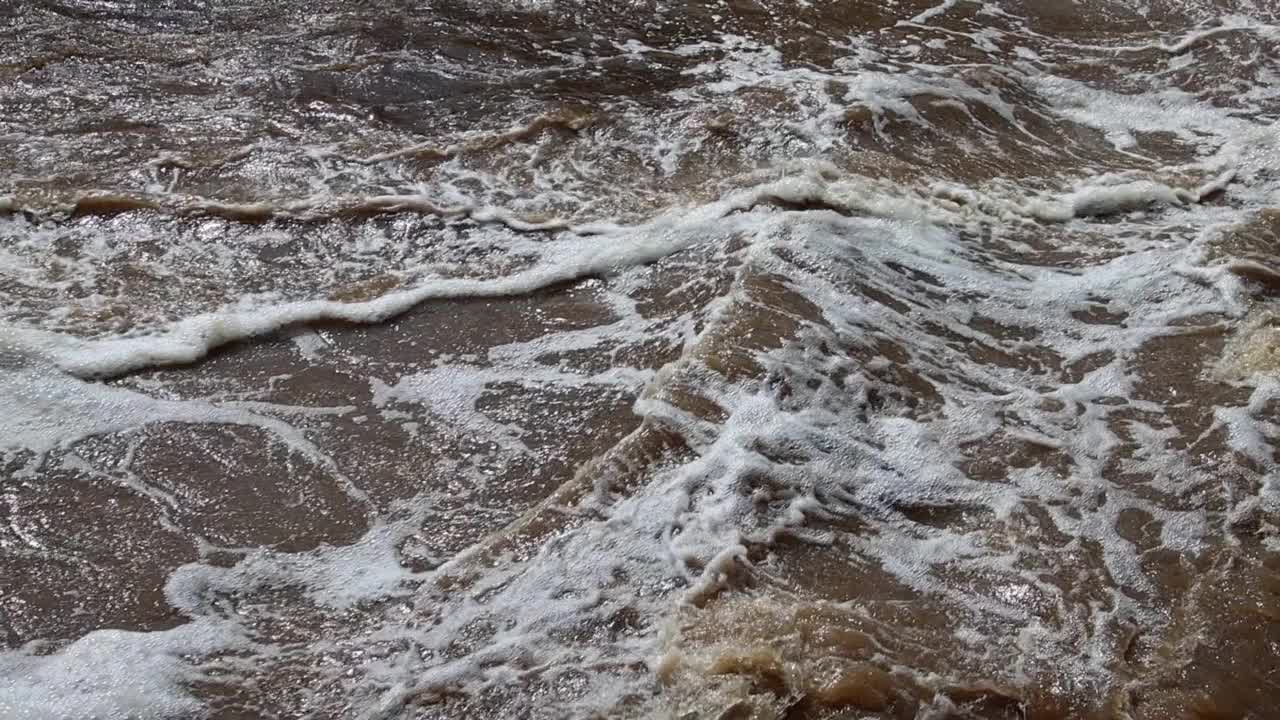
{"x": 639, "y": 359}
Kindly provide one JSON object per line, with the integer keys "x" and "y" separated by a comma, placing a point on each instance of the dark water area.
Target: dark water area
{"x": 560, "y": 359}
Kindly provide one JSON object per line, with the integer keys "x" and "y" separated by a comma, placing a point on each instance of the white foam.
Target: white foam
{"x": 1225, "y": 25}
{"x": 42, "y": 409}
{"x": 869, "y": 447}
{"x": 571, "y": 257}
{"x": 333, "y": 577}
{"x": 932, "y": 12}
{"x": 112, "y": 675}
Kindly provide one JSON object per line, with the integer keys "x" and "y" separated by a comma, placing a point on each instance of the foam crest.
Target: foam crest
{"x": 112, "y": 675}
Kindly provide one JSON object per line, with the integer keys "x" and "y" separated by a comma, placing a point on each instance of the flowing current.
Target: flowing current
{"x": 740, "y": 360}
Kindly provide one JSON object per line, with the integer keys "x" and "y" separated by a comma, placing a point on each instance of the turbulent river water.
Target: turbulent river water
{"x": 748, "y": 359}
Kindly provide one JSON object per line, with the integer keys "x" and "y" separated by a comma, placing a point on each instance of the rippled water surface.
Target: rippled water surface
{"x": 640, "y": 359}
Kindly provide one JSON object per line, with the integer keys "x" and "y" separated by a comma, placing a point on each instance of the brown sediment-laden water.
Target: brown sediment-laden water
{"x": 750, "y": 359}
